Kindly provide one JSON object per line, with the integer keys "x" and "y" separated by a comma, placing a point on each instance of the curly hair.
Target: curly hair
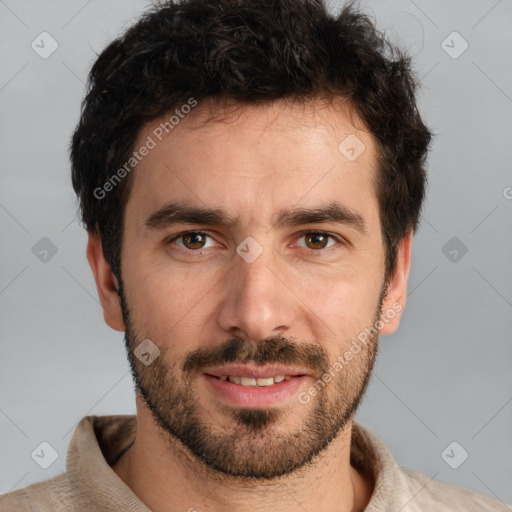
{"x": 250, "y": 52}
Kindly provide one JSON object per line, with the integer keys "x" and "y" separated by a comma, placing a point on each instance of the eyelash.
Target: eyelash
{"x": 172, "y": 239}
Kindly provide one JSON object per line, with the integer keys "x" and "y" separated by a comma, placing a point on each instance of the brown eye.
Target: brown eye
{"x": 193, "y": 240}
{"x": 192, "y": 243}
{"x": 316, "y": 240}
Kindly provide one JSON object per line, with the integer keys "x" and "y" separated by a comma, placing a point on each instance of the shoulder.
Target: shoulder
{"x": 53, "y": 495}
{"x": 430, "y": 494}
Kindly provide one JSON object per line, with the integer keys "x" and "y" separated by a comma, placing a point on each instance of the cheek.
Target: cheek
{"x": 341, "y": 308}
{"x": 166, "y": 304}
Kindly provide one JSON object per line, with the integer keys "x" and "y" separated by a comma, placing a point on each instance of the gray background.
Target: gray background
{"x": 443, "y": 377}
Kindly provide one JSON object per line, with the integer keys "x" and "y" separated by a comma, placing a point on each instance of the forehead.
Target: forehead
{"x": 255, "y": 160}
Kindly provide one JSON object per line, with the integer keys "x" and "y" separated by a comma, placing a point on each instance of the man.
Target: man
{"x": 250, "y": 174}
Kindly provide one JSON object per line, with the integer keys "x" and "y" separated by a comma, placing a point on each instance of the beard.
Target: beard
{"x": 252, "y": 445}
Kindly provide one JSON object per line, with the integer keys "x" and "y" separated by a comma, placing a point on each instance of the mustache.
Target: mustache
{"x": 271, "y": 350}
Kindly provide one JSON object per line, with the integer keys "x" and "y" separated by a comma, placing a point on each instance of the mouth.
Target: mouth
{"x": 252, "y": 386}
{"x": 261, "y": 382}
{"x": 252, "y": 375}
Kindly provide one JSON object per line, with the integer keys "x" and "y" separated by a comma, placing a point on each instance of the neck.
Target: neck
{"x": 167, "y": 478}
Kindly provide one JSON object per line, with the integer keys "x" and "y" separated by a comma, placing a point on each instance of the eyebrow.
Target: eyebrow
{"x": 181, "y": 213}
{"x": 333, "y": 212}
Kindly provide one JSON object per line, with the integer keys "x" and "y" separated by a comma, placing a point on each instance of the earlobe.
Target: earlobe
{"x": 394, "y": 302}
{"x": 106, "y": 284}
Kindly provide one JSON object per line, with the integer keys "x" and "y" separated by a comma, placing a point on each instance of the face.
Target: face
{"x": 252, "y": 252}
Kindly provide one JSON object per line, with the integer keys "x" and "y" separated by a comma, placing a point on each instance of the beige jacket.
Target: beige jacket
{"x": 90, "y": 484}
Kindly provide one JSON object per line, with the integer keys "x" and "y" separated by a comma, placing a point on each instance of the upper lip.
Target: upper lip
{"x": 253, "y": 371}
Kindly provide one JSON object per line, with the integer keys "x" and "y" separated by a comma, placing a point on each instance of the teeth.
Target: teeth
{"x": 265, "y": 381}
{"x": 247, "y": 381}
{"x": 250, "y": 381}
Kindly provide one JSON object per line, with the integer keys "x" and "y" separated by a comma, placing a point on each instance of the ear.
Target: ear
{"x": 394, "y": 302}
{"x": 106, "y": 283}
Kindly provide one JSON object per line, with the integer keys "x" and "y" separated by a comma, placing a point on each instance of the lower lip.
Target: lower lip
{"x": 253, "y": 396}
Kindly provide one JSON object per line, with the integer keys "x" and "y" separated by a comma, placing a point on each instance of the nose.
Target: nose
{"x": 256, "y": 301}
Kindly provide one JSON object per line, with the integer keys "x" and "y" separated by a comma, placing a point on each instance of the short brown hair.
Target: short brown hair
{"x": 251, "y": 52}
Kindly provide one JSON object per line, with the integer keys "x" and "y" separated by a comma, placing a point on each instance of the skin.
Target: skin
{"x": 252, "y": 163}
